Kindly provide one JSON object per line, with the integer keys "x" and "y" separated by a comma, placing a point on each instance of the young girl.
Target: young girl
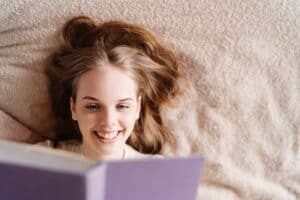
{"x": 107, "y": 85}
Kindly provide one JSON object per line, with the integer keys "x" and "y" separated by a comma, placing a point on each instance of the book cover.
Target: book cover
{"x": 38, "y": 174}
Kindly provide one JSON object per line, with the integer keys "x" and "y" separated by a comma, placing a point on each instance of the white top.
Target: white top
{"x": 75, "y": 147}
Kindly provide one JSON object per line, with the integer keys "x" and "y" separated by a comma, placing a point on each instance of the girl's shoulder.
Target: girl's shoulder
{"x": 68, "y": 145}
{"x": 75, "y": 147}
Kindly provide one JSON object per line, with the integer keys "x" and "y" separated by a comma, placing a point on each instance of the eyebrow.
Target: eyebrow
{"x": 95, "y": 99}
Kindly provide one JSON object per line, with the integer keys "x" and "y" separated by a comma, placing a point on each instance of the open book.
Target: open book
{"x": 28, "y": 173}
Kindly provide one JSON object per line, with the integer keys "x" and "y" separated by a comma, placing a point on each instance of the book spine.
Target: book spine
{"x": 95, "y": 180}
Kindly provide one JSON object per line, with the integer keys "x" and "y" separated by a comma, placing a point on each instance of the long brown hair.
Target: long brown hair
{"x": 136, "y": 51}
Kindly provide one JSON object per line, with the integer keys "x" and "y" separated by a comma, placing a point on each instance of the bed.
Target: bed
{"x": 242, "y": 57}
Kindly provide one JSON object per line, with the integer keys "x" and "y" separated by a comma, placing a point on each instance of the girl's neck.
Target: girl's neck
{"x": 92, "y": 155}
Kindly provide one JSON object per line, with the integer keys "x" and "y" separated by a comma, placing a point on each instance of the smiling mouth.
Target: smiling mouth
{"x": 107, "y": 137}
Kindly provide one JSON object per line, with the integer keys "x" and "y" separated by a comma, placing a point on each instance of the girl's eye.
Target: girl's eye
{"x": 123, "y": 107}
{"x": 92, "y": 107}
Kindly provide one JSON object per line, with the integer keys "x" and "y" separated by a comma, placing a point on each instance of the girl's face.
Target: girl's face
{"x": 106, "y": 109}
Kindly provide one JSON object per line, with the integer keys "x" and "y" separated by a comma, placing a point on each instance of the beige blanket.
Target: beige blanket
{"x": 243, "y": 58}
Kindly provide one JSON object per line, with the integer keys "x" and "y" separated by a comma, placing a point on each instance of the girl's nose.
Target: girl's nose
{"x": 108, "y": 118}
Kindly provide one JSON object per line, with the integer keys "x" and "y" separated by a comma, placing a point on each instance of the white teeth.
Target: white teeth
{"x": 110, "y": 135}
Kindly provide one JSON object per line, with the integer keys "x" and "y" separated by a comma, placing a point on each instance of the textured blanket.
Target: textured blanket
{"x": 243, "y": 58}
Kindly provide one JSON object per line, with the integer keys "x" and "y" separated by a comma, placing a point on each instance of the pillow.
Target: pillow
{"x": 30, "y": 34}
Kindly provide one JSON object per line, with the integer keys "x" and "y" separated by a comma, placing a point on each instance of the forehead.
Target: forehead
{"x": 107, "y": 83}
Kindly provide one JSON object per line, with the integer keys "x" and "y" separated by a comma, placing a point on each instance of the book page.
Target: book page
{"x": 42, "y": 157}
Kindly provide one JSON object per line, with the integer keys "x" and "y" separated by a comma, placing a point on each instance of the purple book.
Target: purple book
{"x": 28, "y": 173}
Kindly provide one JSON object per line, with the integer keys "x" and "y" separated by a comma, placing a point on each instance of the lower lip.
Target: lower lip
{"x": 107, "y": 141}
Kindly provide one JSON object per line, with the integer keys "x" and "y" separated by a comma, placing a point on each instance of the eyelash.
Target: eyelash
{"x": 94, "y": 107}
{"x": 123, "y": 107}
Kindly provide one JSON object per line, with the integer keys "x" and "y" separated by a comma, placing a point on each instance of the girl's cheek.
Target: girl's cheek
{"x": 128, "y": 121}
{"x": 88, "y": 118}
